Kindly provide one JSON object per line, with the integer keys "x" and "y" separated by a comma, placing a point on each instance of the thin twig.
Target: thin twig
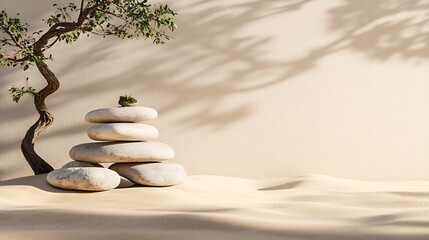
{"x": 13, "y": 39}
{"x": 17, "y": 60}
{"x": 110, "y": 13}
{"x": 81, "y": 6}
{"x": 52, "y": 44}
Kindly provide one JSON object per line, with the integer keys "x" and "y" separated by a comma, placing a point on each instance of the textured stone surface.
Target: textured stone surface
{"x": 122, "y": 152}
{"x": 125, "y": 183}
{"x": 121, "y": 114}
{"x": 80, "y": 164}
{"x": 122, "y": 132}
{"x": 152, "y": 174}
{"x": 84, "y": 178}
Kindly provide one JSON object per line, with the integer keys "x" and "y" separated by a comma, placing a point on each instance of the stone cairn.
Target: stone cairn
{"x": 123, "y": 141}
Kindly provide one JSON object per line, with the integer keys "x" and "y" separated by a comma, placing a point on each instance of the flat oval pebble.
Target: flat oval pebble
{"x": 107, "y": 152}
{"x": 122, "y": 132}
{"x": 80, "y": 164}
{"x": 152, "y": 174}
{"x": 84, "y": 178}
{"x": 121, "y": 114}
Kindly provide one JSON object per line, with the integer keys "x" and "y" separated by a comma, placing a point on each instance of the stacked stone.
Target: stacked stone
{"x": 125, "y": 142}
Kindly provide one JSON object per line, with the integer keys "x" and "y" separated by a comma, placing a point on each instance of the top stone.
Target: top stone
{"x": 121, "y": 114}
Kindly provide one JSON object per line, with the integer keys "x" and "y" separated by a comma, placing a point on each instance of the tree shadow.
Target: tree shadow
{"x": 217, "y": 33}
{"x": 383, "y": 29}
{"x": 364, "y": 26}
{"x": 379, "y": 29}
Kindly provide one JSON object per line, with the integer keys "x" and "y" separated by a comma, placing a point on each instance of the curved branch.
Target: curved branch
{"x": 52, "y": 44}
{"x": 61, "y": 28}
{"x": 17, "y": 60}
{"x": 86, "y": 12}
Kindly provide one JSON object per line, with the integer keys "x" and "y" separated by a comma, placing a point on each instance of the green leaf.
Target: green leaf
{"x": 17, "y": 93}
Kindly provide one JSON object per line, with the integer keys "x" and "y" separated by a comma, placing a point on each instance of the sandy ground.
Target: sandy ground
{"x": 212, "y": 207}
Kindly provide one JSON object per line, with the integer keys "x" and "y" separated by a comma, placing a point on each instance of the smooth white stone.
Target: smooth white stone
{"x": 108, "y": 152}
{"x": 125, "y": 183}
{"x": 121, "y": 114}
{"x": 80, "y": 164}
{"x": 122, "y": 132}
{"x": 152, "y": 174}
{"x": 84, "y": 178}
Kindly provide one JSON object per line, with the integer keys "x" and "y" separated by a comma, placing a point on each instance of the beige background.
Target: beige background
{"x": 252, "y": 89}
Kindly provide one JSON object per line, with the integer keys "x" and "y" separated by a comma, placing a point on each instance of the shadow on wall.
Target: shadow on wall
{"x": 383, "y": 29}
{"x": 212, "y": 30}
{"x": 213, "y": 40}
{"x": 380, "y": 29}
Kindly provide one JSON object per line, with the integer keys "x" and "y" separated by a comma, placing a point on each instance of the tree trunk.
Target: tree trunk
{"x": 39, "y": 165}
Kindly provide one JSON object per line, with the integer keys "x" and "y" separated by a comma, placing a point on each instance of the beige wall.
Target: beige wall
{"x": 258, "y": 88}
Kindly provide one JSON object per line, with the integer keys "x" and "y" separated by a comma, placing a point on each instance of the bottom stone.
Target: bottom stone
{"x": 84, "y": 178}
{"x": 152, "y": 174}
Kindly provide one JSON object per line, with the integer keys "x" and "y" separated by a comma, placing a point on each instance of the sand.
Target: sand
{"x": 213, "y": 207}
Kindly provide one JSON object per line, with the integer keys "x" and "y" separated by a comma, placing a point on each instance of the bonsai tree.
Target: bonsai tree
{"x": 125, "y": 19}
